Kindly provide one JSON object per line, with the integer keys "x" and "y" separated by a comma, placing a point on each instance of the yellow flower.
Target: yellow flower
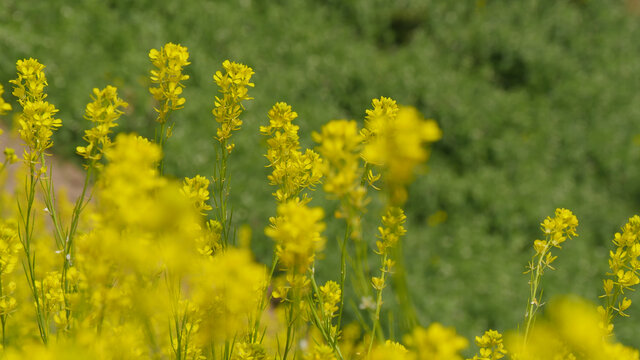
{"x": 394, "y": 139}
{"x": 391, "y": 350}
{"x": 4, "y": 106}
{"x": 169, "y": 62}
{"x": 571, "y": 328}
{"x": 491, "y": 346}
{"x": 196, "y": 189}
{"x": 227, "y": 290}
{"x": 297, "y": 233}
{"x": 103, "y": 112}
{"x": 233, "y": 84}
{"x": 331, "y": 295}
{"x": 436, "y": 343}
{"x": 320, "y": 352}
{"x": 292, "y": 170}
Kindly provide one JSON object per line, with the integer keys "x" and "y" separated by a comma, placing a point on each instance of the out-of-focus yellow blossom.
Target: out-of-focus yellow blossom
{"x": 320, "y": 352}
{"x": 340, "y": 144}
{"x": 233, "y": 84}
{"x": 103, "y": 112}
{"x": 227, "y": 291}
{"x": 292, "y": 171}
{"x": 297, "y": 233}
{"x": 391, "y": 350}
{"x": 196, "y": 189}
{"x": 36, "y": 121}
{"x": 53, "y": 300}
{"x": 4, "y": 106}
{"x": 394, "y": 138}
{"x": 570, "y": 329}
{"x": 9, "y": 247}
{"x": 392, "y": 229}
{"x": 209, "y": 242}
{"x": 10, "y": 155}
{"x": 491, "y": 346}
{"x": 169, "y": 61}
{"x": 436, "y": 343}
{"x": 246, "y": 351}
{"x": 624, "y": 269}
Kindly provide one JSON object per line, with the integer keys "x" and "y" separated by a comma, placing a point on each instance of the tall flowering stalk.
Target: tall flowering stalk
{"x": 296, "y": 232}
{"x": 36, "y": 126}
{"x": 167, "y": 78}
{"x": 391, "y": 231}
{"x": 624, "y": 269}
{"x": 340, "y": 144}
{"x": 556, "y": 231}
{"x": 234, "y": 86}
{"x": 395, "y": 139}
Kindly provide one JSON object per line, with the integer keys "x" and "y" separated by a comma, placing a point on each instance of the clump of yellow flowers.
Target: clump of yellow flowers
{"x": 143, "y": 266}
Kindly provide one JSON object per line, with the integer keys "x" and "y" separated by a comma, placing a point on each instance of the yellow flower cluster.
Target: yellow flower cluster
{"x": 391, "y": 350}
{"x": 233, "y": 84}
{"x": 169, "y": 61}
{"x": 292, "y": 171}
{"x": 227, "y": 291}
{"x": 9, "y": 248}
{"x": 246, "y": 351}
{"x": 320, "y": 352}
{"x": 436, "y": 343}
{"x": 570, "y": 330}
{"x": 394, "y": 138}
{"x": 104, "y": 111}
{"x": 53, "y": 300}
{"x": 36, "y": 121}
{"x": 297, "y": 233}
{"x": 340, "y": 144}
{"x": 196, "y": 189}
{"x": 331, "y": 294}
{"x": 4, "y": 106}
{"x": 392, "y": 229}
{"x": 491, "y": 346}
{"x": 624, "y": 270}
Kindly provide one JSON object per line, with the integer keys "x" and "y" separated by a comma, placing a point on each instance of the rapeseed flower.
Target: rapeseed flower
{"x": 37, "y": 120}
{"x": 4, "y": 106}
{"x": 103, "y": 112}
{"x": 436, "y": 343}
{"x": 491, "y": 346}
{"x": 292, "y": 170}
{"x": 570, "y": 329}
{"x": 624, "y": 269}
{"x": 169, "y": 61}
{"x": 296, "y": 232}
{"x": 394, "y": 138}
{"x": 233, "y": 84}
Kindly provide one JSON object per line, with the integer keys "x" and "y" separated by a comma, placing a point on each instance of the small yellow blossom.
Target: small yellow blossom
{"x": 394, "y": 138}
{"x": 297, "y": 233}
{"x": 233, "y": 84}
{"x": 436, "y": 343}
{"x": 196, "y": 189}
{"x": 292, "y": 170}
{"x": 168, "y": 76}
{"x": 4, "y": 106}
{"x": 491, "y": 346}
{"x": 103, "y": 112}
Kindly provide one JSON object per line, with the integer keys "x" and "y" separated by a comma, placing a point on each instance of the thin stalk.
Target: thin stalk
{"x": 534, "y": 303}
{"x": 376, "y": 319}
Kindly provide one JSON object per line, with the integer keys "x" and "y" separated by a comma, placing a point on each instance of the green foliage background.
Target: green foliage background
{"x": 539, "y": 102}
